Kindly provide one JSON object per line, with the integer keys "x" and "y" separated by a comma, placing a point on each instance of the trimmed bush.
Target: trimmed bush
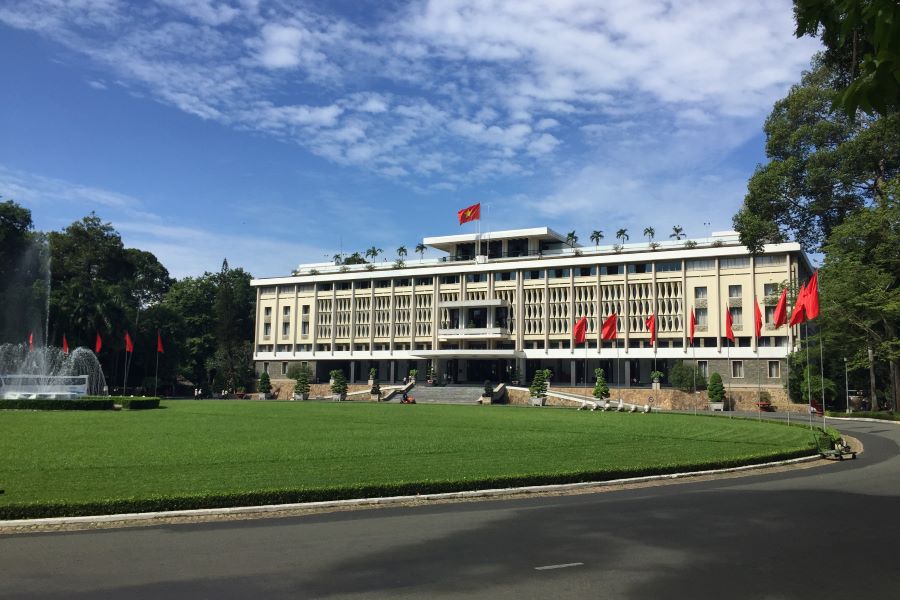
{"x": 302, "y": 376}
{"x": 601, "y": 389}
{"x": 138, "y": 403}
{"x": 715, "y": 390}
{"x": 265, "y": 384}
{"x": 683, "y": 376}
{"x": 83, "y": 403}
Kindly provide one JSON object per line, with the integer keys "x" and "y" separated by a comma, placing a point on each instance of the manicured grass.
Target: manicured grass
{"x": 861, "y": 414}
{"x": 219, "y": 453}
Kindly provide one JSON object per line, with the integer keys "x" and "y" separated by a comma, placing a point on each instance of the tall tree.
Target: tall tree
{"x": 622, "y": 235}
{"x": 823, "y": 165}
{"x": 420, "y": 250}
{"x": 23, "y": 257}
{"x": 649, "y": 232}
{"x": 596, "y": 236}
{"x": 677, "y": 232}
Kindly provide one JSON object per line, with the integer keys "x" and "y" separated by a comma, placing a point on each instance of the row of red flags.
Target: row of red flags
{"x": 806, "y": 308}
{"x": 98, "y": 343}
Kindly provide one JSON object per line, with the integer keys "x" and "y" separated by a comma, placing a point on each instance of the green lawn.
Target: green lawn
{"x": 191, "y": 453}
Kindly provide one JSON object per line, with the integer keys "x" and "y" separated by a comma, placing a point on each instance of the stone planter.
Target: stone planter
{"x": 655, "y": 385}
{"x": 375, "y": 397}
{"x": 485, "y": 399}
{"x": 301, "y": 396}
{"x": 717, "y": 406}
{"x": 537, "y": 401}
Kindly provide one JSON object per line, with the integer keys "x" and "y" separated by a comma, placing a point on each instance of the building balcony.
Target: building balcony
{"x": 494, "y": 302}
{"x": 473, "y": 333}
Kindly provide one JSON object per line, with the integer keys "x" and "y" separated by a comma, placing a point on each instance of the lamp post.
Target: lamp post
{"x": 846, "y": 385}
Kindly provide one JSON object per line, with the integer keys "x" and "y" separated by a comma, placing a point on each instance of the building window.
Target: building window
{"x": 700, "y": 293}
{"x": 401, "y": 283}
{"x": 559, "y": 273}
{"x": 611, "y": 270}
{"x": 306, "y": 309}
{"x": 703, "y": 368}
{"x": 284, "y": 368}
{"x": 450, "y": 279}
{"x": 701, "y": 265}
{"x": 739, "y": 262}
{"x": 640, "y": 268}
{"x": 304, "y": 328}
{"x": 702, "y": 316}
{"x": 771, "y": 289}
{"x": 737, "y": 317}
{"x": 774, "y": 369}
{"x": 765, "y": 261}
{"x": 362, "y": 285}
{"x": 267, "y": 329}
{"x": 267, "y": 311}
{"x": 424, "y": 280}
{"x": 668, "y": 267}
{"x": 476, "y": 277}
{"x": 586, "y": 271}
{"x": 734, "y": 291}
{"x": 506, "y": 276}
{"x": 266, "y": 368}
{"x": 323, "y": 287}
{"x": 286, "y": 312}
{"x": 534, "y": 274}
{"x": 344, "y": 285}
{"x": 770, "y": 315}
{"x": 737, "y": 369}
{"x": 285, "y": 329}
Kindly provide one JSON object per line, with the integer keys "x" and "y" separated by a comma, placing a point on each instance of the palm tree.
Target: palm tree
{"x": 677, "y": 232}
{"x": 420, "y": 250}
{"x": 337, "y": 259}
{"x": 622, "y": 235}
{"x": 596, "y": 236}
{"x": 571, "y": 238}
{"x": 401, "y": 252}
{"x": 373, "y": 252}
{"x": 649, "y": 232}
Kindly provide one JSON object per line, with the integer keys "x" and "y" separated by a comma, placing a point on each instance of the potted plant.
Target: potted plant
{"x": 264, "y": 386}
{"x": 429, "y": 374}
{"x": 301, "y": 387}
{"x": 373, "y": 374}
{"x": 656, "y": 377}
{"x": 412, "y": 374}
{"x": 376, "y": 391}
{"x": 715, "y": 391}
{"x": 539, "y": 385}
{"x": 488, "y": 392}
{"x": 338, "y": 385}
{"x": 514, "y": 374}
{"x": 601, "y": 389}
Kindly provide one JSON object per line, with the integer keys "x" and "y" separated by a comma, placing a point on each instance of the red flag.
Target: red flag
{"x": 580, "y": 330}
{"x": 693, "y": 325}
{"x": 798, "y": 315}
{"x": 98, "y": 344}
{"x": 65, "y": 345}
{"x": 129, "y": 347}
{"x": 471, "y": 213}
{"x": 729, "y": 331}
{"x": 811, "y": 300}
{"x": 159, "y": 346}
{"x": 31, "y": 341}
{"x": 651, "y": 325}
{"x": 757, "y": 318}
{"x": 781, "y": 310}
{"x": 608, "y": 332}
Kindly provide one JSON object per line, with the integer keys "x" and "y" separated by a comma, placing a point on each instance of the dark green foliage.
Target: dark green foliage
{"x": 539, "y": 383}
{"x": 338, "y": 382}
{"x": 864, "y": 414}
{"x": 301, "y": 375}
{"x": 83, "y": 403}
{"x": 488, "y": 388}
{"x": 686, "y": 377}
{"x": 715, "y": 391}
{"x": 138, "y": 403}
{"x": 601, "y": 389}
{"x": 265, "y": 384}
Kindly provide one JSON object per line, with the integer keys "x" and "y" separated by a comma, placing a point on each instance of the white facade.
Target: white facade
{"x": 510, "y": 306}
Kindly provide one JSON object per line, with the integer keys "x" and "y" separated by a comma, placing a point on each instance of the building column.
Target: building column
{"x": 573, "y": 373}
{"x": 393, "y": 371}
{"x": 628, "y": 373}
{"x": 352, "y": 371}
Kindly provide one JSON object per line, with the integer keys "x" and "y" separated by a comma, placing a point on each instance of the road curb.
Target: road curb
{"x": 385, "y": 501}
{"x": 864, "y": 420}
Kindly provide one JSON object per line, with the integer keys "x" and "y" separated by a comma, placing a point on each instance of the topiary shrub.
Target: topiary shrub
{"x": 540, "y": 383}
{"x": 139, "y": 403}
{"x": 338, "y": 383}
{"x": 488, "y": 388}
{"x": 265, "y": 384}
{"x": 715, "y": 391}
{"x": 601, "y": 389}
{"x": 302, "y": 375}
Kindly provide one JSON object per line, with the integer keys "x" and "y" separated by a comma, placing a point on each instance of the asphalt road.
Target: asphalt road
{"x": 831, "y": 531}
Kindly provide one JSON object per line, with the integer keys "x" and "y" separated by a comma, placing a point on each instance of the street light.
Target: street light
{"x": 846, "y": 385}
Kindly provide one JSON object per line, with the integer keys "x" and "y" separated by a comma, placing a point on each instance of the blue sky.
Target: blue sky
{"x": 274, "y": 133}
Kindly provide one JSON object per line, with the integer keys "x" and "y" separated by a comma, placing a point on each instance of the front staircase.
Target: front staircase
{"x": 448, "y": 394}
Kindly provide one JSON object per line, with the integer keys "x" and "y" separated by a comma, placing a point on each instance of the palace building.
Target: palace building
{"x": 499, "y": 305}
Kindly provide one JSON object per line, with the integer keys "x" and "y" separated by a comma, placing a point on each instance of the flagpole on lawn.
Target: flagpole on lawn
{"x": 822, "y": 373}
{"x": 808, "y": 382}
{"x": 156, "y": 374}
{"x": 694, "y": 372}
{"x": 787, "y": 391}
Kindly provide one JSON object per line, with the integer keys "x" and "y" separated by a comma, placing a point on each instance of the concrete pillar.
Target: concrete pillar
{"x": 393, "y": 378}
{"x": 573, "y": 373}
{"x": 627, "y": 373}
{"x": 352, "y": 371}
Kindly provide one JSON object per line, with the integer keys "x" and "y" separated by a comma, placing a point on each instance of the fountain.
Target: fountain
{"x": 48, "y": 373}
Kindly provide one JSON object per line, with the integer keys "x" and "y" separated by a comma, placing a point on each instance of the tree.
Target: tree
{"x": 686, "y": 378}
{"x": 302, "y": 376}
{"x": 571, "y": 238}
{"x": 355, "y": 259}
{"x": 596, "y": 236}
{"x": 715, "y": 391}
{"x": 231, "y": 364}
{"x": 649, "y": 232}
{"x": 420, "y": 250}
{"x": 823, "y": 165}
{"x": 265, "y": 384}
{"x": 338, "y": 259}
{"x": 373, "y": 252}
{"x": 622, "y": 235}
{"x": 338, "y": 383}
{"x": 862, "y": 41}
{"x": 539, "y": 383}
{"x": 677, "y": 232}
{"x": 23, "y": 256}
{"x": 401, "y": 252}
{"x": 601, "y": 389}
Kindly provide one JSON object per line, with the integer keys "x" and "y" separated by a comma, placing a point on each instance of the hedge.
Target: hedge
{"x": 862, "y": 414}
{"x": 83, "y": 403}
{"x": 38, "y": 510}
{"x": 138, "y": 403}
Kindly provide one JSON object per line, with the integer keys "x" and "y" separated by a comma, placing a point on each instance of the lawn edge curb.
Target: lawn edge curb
{"x": 387, "y": 500}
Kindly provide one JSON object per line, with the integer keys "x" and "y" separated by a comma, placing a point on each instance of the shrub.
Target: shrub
{"x": 83, "y": 403}
{"x": 138, "y": 403}
{"x": 373, "y": 373}
{"x": 413, "y": 373}
{"x": 656, "y": 375}
{"x": 601, "y": 389}
{"x": 715, "y": 390}
{"x": 540, "y": 383}
{"x": 265, "y": 384}
{"x": 488, "y": 388}
{"x": 686, "y": 378}
{"x": 339, "y": 382}
{"x": 301, "y": 377}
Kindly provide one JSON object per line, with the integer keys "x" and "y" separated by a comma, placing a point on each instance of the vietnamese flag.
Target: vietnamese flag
{"x": 781, "y": 310}
{"x": 609, "y": 332}
{"x": 729, "y": 330}
{"x": 98, "y": 344}
{"x": 811, "y": 300}
{"x": 159, "y": 345}
{"x": 798, "y": 315}
{"x": 693, "y": 325}
{"x": 471, "y": 213}
{"x": 31, "y": 341}
{"x": 580, "y": 330}
{"x": 757, "y": 318}
{"x": 65, "y": 345}
{"x": 651, "y": 325}
{"x": 129, "y": 346}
